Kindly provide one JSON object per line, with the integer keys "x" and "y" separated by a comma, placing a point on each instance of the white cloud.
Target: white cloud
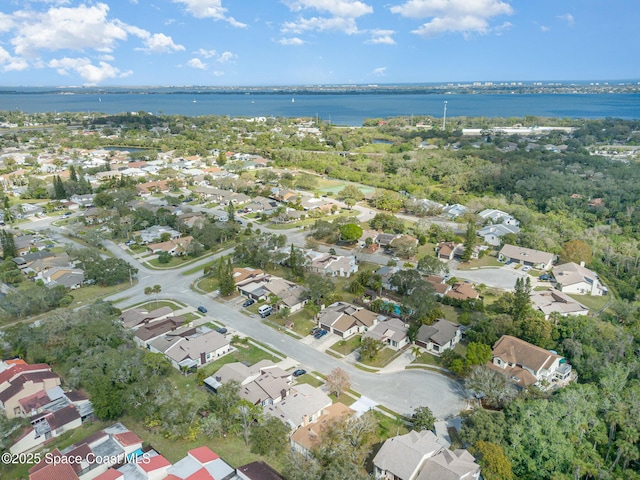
{"x": 567, "y": 17}
{"x": 345, "y": 25}
{"x": 379, "y": 72}
{"x": 197, "y": 63}
{"x": 10, "y": 63}
{"x": 77, "y": 28}
{"x": 217, "y": 73}
{"x": 226, "y": 57}
{"x": 294, "y": 41}
{"x": 92, "y": 74}
{"x": 342, "y": 15}
{"x": 458, "y": 16}
{"x": 206, "y": 53}
{"x": 160, "y": 43}
{"x": 337, "y": 8}
{"x": 544, "y": 28}
{"x": 384, "y": 37}
{"x": 209, "y": 9}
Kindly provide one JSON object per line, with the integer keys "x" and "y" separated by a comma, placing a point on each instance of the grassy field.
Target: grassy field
{"x": 486, "y": 261}
{"x": 248, "y": 354}
{"x": 384, "y": 357}
{"x": 592, "y": 302}
{"x": 89, "y": 294}
{"x": 345, "y": 347}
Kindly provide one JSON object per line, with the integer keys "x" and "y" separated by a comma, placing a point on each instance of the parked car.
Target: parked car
{"x": 544, "y": 277}
{"x": 299, "y": 373}
{"x": 248, "y": 302}
{"x": 321, "y": 334}
{"x": 221, "y": 330}
{"x": 201, "y": 309}
{"x": 526, "y": 268}
{"x": 315, "y": 330}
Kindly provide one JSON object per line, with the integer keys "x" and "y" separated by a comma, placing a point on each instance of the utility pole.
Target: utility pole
{"x": 444, "y": 118}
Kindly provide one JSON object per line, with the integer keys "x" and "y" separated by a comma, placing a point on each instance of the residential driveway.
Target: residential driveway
{"x": 502, "y": 277}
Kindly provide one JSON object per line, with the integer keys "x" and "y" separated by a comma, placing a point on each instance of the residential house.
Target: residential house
{"x": 554, "y": 301}
{"x": 494, "y": 217}
{"x": 136, "y": 317}
{"x": 384, "y": 239}
{"x": 418, "y": 455}
{"x": 201, "y": 463}
{"x": 150, "y": 466}
{"x": 439, "y": 284}
{"x": 526, "y": 256}
{"x": 88, "y": 458}
{"x": 454, "y": 211}
{"x": 333, "y": 265}
{"x": 51, "y": 424}
{"x": 448, "y": 250}
{"x": 305, "y": 438}
{"x": 154, "y": 233}
{"x": 175, "y": 247}
{"x": 258, "y": 470}
{"x": 438, "y": 337}
{"x": 492, "y": 234}
{"x": 191, "y": 347}
{"x": 260, "y": 287}
{"x": 148, "y": 188}
{"x": 304, "y": 405}
{"x": 527, "y": 364}
{"x": 573, "y": 278}
{"x": 85, "y": 201}
{"x": 20, "y": 381}
{"x": 346, "y": 320}
{"x": 145, "y": 334}
{"x": 392, "y": 332}
{"x": 71, "y": 278}
{"x": 386, "y": 272}
{"x": 463, "y": 291}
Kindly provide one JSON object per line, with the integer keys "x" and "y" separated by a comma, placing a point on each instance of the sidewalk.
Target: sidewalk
{"x": 399, "y": 363}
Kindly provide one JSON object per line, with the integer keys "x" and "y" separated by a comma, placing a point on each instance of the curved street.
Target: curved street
{"x": 401, "y": 391}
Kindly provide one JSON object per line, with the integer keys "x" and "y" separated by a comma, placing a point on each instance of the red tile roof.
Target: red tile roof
{"x": 153, "y": 463}
{"x": 201, "y": 474}
{"x": 20, "y": 368}
{"x": 204, "y": 455}
{"x": 127, "y": 439}
{"x": 111, "y": 474}
{"x": 62, "y": 471}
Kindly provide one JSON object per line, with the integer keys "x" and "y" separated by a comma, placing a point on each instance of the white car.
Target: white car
{"x": 526, "y": 268}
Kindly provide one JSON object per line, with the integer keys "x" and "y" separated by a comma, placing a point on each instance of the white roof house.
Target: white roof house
{"x": 498, "y": 216}
{"x": 573, "y": 278}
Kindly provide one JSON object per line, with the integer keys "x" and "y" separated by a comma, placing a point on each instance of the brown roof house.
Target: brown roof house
{"x": 463, "y": 291}
{"x": 528, "y": 364}
{"x": 346, "y": 320}
{"x": 526, "y": 256}
{"x": 420, "y": 456}
{"x": 306, "y": 438}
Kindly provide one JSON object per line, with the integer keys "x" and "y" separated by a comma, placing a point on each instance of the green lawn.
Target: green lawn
{"x": 89, "y": 294}
{"x": 593, "y": 302}
{"x": 153, "y": 305}
{"x": 231, "y": 449}
{"x": 345, "y": 347}
{"x": 384, "y": 357}
{"x": 249, "y": 354}
{"x": 309, "y": 380}
{"x": 486, "y": 261}
{"x": 302, "y": 323}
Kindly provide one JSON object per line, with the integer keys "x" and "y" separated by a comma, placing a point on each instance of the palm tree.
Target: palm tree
{"x": 416, "y": 351}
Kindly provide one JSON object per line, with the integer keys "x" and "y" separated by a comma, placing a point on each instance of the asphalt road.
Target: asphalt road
{"x": 401, "y": 391}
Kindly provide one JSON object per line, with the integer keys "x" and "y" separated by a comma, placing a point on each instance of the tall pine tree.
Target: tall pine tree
{"x": 226, "y": 285}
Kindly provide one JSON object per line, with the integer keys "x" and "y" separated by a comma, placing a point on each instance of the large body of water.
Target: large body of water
{"x": 343, "y": 108}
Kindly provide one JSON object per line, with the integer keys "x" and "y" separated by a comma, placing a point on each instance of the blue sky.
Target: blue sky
{"x": 309, "y": 42}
